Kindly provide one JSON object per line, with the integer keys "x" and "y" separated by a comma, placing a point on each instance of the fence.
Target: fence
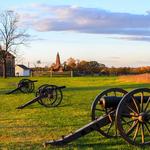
{"x": 52, "y": 74}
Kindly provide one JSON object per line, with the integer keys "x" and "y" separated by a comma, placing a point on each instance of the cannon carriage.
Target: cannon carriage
{"x": 115, "y": 112}
{"x": 47, "y": 95}
{"x": 24, "y": 86}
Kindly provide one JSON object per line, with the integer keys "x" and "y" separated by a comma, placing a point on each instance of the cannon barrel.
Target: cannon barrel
{"x": 52, "y": 88}
{"x": 60, "y": 87}
{"x": 33, "y": 80}
{"x": 113, "y": 101}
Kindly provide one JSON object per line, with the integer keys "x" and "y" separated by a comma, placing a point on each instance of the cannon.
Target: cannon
{"x": 25, "y": 86}
{"x": 115, "y": 112}
{"x": 47, "y": 96}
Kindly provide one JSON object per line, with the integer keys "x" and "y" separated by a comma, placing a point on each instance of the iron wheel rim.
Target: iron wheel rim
{"x": 96, "y": 107}
{"x": 139, "y": 131}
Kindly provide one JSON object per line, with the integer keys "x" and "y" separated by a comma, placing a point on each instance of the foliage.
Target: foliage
{"x": 83, "y": 67}
{"x": 90, "y": 67}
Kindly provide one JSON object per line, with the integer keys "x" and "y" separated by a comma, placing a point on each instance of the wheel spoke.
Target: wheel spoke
{"x": 132, "y": 128}
{"x": 142, "y": 98}
{"x": 136, "y": 106}
{"x": 128, "y": 122}
{"x": 109, "y": 127}
{"x": 131, "y": 108}
{"x": 147, "y": 104}
{"x": 147, "y": 128}
{"x": 142, "y": 133}
{"x": 136, "y": 132}
{"x": 127, "y": 115}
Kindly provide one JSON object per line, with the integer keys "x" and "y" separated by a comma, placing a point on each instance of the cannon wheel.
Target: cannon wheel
{"x": 53, "y": 98}
{"x": 28, "y": 86}
{"x": 110, "y": 130}
{"x": 40, "y": 88}
{"x": 59, "y": 97}
{"x": 133, "y": 117}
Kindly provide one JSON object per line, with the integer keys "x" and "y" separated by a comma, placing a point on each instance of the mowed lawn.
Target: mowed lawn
{"x": 30, "y": 127}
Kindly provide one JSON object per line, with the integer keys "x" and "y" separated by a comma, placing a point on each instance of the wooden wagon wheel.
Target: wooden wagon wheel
{"x": 40, "y": 88}
{"x": 26, "y": 86}
{"x": 59, "y": 97}
{"x": 49, "y": 95}
{"x": 133, "y": 117}
{"x": 97, "y": 111}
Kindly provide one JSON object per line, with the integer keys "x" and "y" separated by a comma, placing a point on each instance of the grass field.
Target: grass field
{"x": 30, "y": 127}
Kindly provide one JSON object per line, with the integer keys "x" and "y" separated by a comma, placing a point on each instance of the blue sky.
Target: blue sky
{"x": 113, "y": 32}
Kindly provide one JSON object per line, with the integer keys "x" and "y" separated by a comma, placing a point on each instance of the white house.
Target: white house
{"x": 22, "y": 70}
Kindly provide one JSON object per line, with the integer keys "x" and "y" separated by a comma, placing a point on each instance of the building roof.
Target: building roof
{"x": 8, "y": 53}
{"x": 23, "y": 67}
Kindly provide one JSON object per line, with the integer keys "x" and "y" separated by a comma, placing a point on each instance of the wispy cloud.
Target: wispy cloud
{"x": 134, "y": 38}
{"x": 87, "y": 20}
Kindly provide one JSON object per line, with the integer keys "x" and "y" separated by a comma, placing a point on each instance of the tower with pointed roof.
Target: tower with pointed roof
{"x": 58, "y": 60}
{"x": 57, "y": 67}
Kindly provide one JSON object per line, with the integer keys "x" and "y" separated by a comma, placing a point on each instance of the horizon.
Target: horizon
{"x": 90, "y": 30}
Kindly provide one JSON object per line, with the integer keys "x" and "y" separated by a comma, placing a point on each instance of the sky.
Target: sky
{"x": 112, "y": 32}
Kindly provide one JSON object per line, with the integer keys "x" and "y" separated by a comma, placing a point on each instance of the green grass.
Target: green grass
{"x": 30, "y": 127}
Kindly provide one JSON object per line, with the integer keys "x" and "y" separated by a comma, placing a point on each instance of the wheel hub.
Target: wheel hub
{"x": 143, "y": 117}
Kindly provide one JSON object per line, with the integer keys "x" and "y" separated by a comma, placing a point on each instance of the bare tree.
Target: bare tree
{"x": 11, "y": 36}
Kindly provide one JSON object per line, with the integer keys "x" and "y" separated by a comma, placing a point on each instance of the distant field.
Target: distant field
{"x": 30, "y": 127}
{"x": 142, "y": 78}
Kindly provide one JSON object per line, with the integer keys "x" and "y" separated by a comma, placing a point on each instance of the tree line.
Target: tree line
{"x": 93, "y": 67}
{"x": 84, "y": 67}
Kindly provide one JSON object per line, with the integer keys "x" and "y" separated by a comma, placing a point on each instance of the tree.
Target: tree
{"x": 94, "y": 67}
{"x": 11, "y": 36}
{"x": 82, "y": 66}
{"x": 71, "y": 64}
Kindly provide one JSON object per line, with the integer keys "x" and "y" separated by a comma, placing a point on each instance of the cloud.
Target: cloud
{"x": 86, "y": 20}
{"x": 134, "y": 38}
